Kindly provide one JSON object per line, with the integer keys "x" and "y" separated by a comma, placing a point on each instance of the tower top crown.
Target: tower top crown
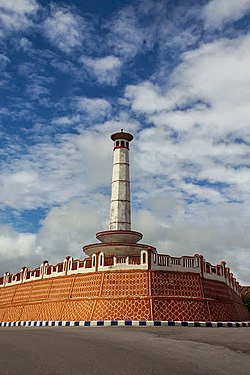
{"x": 121, "y": 135}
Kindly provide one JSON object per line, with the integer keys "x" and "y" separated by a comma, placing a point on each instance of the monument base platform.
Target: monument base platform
{"x": 133, "y": 295}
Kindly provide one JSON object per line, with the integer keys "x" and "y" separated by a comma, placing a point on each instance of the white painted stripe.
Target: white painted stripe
{"x": 202, "y": 324}
{"x": 178, "y": 323}
{"x": 107, "y": 323}
{"x": 150, "y": 323}
{"x": 164, "y": 323}
{"x": 121, "y": 322}
{"x": 135, "y": 322}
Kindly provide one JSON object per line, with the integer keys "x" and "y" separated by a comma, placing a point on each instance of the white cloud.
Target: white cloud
{"x": 218, "y": 12}
{"x": 20, "y": 6}
{"x": 218, "y": 232}
{"x": 17, "y": 15}
{"x": 52, "y": 174}
{"x": 197, "y": 149}
{"x": 106, "y": 69}
{"x": 4, "y": 61}
{"x": 17, "y": 250}
{"x": 64, "y": 121}
{"x": 25, "y": 44}
{"x": 216, "y": 72}
{"x": 146, "y": 97}
{"x": 67, "y": 228}
{"x": 63, "y": 232}
{"x": 214, "y": 75}
{"x": 16, "y": 244}
{"x": 204, "y": 108}
{"x": 65, "y": 29}
{"x": 93, "y": 108}
{"x": 126, "y": 37}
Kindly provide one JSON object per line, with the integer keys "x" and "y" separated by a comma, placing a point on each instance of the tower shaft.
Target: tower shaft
{"x": 120, "y": 211}
{"x": 119, "y": 240}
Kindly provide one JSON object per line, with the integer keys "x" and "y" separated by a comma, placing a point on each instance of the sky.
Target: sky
{"x": 174, "y": 73}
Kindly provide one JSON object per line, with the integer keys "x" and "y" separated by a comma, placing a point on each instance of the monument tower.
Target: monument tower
{"x": 119, "y": 239}
{"x": 121, "y": 279}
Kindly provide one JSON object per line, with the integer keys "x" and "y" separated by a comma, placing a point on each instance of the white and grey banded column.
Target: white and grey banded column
{"x": 119, "y": 239}
{"x": 120, "y": 210}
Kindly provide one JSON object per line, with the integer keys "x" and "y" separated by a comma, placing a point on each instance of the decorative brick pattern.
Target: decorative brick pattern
{"x": 31, "y": 312}
{"x": 176, "y": 284}
{"x": 122, "y": 295}
{"x": 245, "y": 290}
{"x": 214, "y": 289}
{"x": 87, "y": 285}
{"x": 179, "y": 310}
{"x": 51, "y": 311}
{"x": 13, "y": 313}
{"x": 124, "y": 309}
{"x": 222, "y": 311}
{"x": 2, "y": 311}
{"x": 125, "y": 284}
{"x": 23, "y": 293}
{"x": 241, "y": 312}
{"x": 7, "y": 295}
{"x": 228, "y": 311}
{"x": 60, "y": 288}
{"x": 234, "y": 296}
{"x": 77, "y": 310}
{"x": 40, "y": 290}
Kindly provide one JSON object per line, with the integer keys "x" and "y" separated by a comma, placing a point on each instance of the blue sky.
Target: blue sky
{"x": 174, "y": 73}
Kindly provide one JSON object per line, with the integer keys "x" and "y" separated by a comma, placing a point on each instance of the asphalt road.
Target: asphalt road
{"x": 124, "y": 350}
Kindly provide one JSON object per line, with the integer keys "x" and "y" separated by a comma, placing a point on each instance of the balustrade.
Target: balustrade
{"x": 134, "y": 259}
{"x": 121, "y": 259}
{"x": 88, "y": 263}
{"x": 197, "y": 263}
{"x": 108, "y": 260}
{"x": 176, "y": 261}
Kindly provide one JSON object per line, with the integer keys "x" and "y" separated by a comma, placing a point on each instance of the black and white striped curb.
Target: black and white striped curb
{"x": 121, "y": 323}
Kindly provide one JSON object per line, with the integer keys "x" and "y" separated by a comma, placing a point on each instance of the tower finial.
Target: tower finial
{"x": 122, "y": 130}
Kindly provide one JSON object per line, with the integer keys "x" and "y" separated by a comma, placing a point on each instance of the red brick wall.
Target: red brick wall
{"x": 226, "y": 304}
{"x": 122, "y": 295}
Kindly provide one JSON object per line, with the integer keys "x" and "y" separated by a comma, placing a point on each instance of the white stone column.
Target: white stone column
{"x": 120, "y": 211}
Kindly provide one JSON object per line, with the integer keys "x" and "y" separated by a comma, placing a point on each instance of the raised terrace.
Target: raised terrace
{"x": 145, "y": 261}
{"x": 147, "y": 287}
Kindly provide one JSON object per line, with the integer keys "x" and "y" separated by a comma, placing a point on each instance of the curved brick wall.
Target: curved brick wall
{"x": 122, "y": 295}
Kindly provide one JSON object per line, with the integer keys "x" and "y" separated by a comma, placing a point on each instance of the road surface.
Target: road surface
{"x": 124, "y": 350}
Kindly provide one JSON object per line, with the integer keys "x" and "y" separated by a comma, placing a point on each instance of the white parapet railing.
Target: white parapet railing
{"x": 184, "y": 263}
{"x": 146, "y": 260}
{"x": 196, "y": 264}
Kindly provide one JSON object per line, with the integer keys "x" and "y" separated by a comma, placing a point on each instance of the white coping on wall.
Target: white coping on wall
{"x": 123, "y": 267}
{"x": 124, "y": 323}
{"x": 176, "y": 268}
